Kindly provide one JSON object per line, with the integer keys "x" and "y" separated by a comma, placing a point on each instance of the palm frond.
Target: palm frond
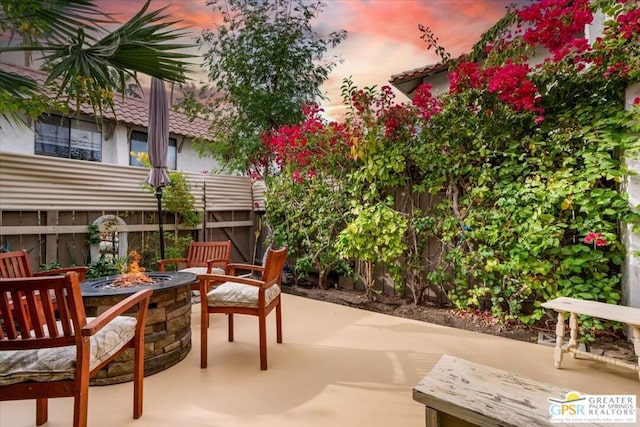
{"x": 16, "y": 85}
{"x": 82, "y": 66}
{"x": 53, "y": 21}
{"x": 145, "y": 46}
{"x": 141, "y": 45}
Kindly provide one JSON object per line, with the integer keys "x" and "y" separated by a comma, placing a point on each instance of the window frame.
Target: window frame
{"x": 173, "y": 143}
{"x": 68, "y": 138}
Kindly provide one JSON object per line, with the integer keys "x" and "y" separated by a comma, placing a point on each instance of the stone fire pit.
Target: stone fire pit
{"x": 167, "y": 338}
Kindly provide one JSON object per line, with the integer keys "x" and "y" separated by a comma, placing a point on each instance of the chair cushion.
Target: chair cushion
{"x": 231, "y": 294}
{"x": 59, "y": 363}
{"x": 203, "y": 270}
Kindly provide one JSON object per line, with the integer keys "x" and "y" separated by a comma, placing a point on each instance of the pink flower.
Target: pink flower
{"x": 296, "y": 177}
{"x": 596, "y": 238}
{"x": 554, "y": 23}
{"x": 468, "y": 75}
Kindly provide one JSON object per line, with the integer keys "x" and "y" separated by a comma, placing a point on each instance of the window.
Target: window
{"x": 68, "y": 138}
{"x": 139, "y": 145}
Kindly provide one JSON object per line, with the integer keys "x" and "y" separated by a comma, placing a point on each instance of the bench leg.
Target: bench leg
{"x": 557, "y": 354}
{"x": 573, "y": 338}
{"x": 432, "y": 417}
{"x": 636, "y": 343}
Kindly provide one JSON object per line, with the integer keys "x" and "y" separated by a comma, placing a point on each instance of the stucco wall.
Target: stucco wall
{"x": 15, "y": 138}
{"x": 115, "y": 150}
{"x": 631, "y": 270}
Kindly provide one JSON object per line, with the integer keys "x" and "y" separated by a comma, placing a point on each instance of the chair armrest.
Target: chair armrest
{"x": 223, "y": 261}
{"x": 232, "y": 267}
{"x": 163, "y": 262}
{"x": 140, "y": 297}
{"x": 82, "y": 272}
{"x": 208, "y": 280}
{"x": 217, "y": 262}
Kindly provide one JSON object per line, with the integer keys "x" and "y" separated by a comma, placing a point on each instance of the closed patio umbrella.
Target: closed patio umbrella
{"x": 157, "y": 145}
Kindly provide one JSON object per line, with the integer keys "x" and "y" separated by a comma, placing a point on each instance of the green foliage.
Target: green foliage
{"x": 265, "y": 62}
{"x": 177, "y": 196}
{"x": 107, "y": 266}
{"x": 525, "y": 185}
{"x": 178, "y": 199}
{"x": 175, "y": 247}
{"x": 307, "y": 217}
{"x": 373, "y": 236}
{"x": 50, "y": 266}
{"x": 530, "y": 203}
{"x": 529, "y": 195}
{"x": 93, "y": 232}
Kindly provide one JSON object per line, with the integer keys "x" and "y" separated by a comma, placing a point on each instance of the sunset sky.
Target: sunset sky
{"x": 383, "y": 37}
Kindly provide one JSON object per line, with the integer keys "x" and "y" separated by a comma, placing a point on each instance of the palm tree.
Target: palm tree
{"x": 84, "y": 61}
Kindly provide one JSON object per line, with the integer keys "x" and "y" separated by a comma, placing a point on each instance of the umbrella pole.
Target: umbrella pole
{"x": 160, "y": 229}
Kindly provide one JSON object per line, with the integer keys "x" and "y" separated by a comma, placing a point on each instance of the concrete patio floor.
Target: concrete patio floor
{"x": 338, "y": 366}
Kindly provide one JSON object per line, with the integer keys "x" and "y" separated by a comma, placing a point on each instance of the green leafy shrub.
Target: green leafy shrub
{"x": 523, "y": 165}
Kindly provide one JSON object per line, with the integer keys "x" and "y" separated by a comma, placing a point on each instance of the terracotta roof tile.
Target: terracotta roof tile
{"x": 417, "y": 73}
{"x": 131, "y": 111}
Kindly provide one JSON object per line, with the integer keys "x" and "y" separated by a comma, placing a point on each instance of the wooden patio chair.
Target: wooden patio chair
{"x": 202, "y": 258}
{"x": 244, "y": 295}
{"x": 61, "y": 349}
{"x": 16, "y": 264}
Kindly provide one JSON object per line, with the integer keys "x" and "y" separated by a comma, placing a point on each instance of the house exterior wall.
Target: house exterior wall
{"x": 189, "y": 159}
{"x": 15, "y": 138}
{"x": 20, "y": 139}
{"x": 439, "y": 83}
{"x": 631, "y": 268}
{"x": 115, "y": 150}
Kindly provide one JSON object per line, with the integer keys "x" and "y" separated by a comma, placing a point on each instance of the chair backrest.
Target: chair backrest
{"x": 273, "y": 265}
{"x": 14, "y": 264}
{"x": 41, "y": 312}
{"x": 200, "y": 252}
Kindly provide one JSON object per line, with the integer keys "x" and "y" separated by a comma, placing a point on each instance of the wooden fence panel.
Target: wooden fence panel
{"x": 47, "y": 203}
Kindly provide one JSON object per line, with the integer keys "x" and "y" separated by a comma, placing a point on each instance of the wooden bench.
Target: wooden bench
{"x": 601, "y": 310}
{"x": 460, "y": 393}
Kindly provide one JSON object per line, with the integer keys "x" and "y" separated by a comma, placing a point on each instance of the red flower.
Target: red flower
{"x": 426, "y": 102}
{"x": 512, "y": 85}
{"x": 468, "y": 75}
{"x": 629, "y": 23}
{"x": 554, "y": 23}
{"x": 596, "y": 238}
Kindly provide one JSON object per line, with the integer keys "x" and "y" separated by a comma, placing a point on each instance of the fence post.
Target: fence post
{"x": 51, "y": 240}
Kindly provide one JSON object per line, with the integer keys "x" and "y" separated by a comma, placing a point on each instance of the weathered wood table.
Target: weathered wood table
{"x": 460, "y": 393}
{"x": 573, "y": 306}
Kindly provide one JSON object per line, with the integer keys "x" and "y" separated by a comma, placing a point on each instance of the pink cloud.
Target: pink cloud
{"x": 383, "y": 35}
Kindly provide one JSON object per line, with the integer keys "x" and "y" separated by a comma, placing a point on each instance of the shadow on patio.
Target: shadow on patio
{"x": 338, "y": 366}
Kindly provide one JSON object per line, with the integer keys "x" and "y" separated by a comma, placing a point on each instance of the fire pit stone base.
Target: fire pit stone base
{"x": 167, "y": 333}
